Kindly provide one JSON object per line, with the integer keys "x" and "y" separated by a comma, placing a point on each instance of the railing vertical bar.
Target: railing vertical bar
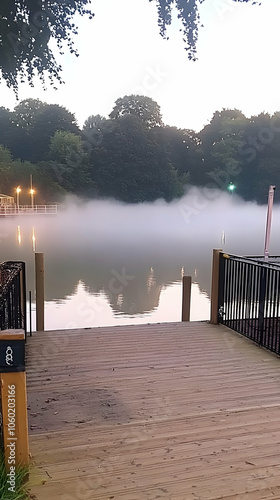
{"x": 277, "y": 346}
{"x": 226, "y": 274}
{"x": 256, "y": 286}
{"x": 234, "y": 292}
{"x": 275, "y": 311}
{"x": 265, "y": 307}
{"x": 240, "y": 307}
{"x": 237, "y": 307}
{"x": 247, "y": 303}
{"x": 230, "y": 285}
{"x": 244, "y": 273}
{"x": 252, "y": 301}
{"x": 231, "y": 288}
{"x": 227, "y": 290}
{"x": 23, "y": 298}
{"x": 249, "y": 300}
{"x": 222, "y": 284}
{"x": 269, "y": 319}
{"x": 267, "y": 310}
{"x": 275, "y": 319}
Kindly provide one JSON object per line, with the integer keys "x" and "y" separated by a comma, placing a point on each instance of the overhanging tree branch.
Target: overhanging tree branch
{"x": 27, "y": 26}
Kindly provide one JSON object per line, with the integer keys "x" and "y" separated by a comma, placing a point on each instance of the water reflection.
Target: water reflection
{"x": 130, "y": 280}
{"x": 111, "y": 261}
{"x": 33, "y": 240}
{"x": 18, "y": 235}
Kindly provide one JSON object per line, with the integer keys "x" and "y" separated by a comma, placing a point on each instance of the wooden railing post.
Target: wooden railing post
{"x": 215, "y": 287}
{"x": 40, "y": 291}
{"x": 186, "y": 298}
{"x": 14, "y": 400}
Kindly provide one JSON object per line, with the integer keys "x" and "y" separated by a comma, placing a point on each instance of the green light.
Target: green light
{"x": 231, "y": 186}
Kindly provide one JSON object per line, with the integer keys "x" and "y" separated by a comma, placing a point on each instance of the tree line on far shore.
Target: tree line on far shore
{"x": 132, "y": 156}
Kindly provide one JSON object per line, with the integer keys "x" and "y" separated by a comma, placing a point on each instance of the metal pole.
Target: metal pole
{"x": 18, "y": 190}
{"x": 31, "y": 192}
{"x": 268, "y": 221}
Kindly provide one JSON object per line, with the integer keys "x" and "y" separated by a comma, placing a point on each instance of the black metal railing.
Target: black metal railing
{"x": 249, "y": 298}
{"x": 12, "y": 296}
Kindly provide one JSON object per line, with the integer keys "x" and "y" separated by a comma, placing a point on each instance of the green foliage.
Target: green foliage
{"x": 131, "y": 166}
{"x": 27, "y": 27}
{"x": 20, "y": 477}
{"x": 15, "y": 173}
{"x": 144, "y": 108}
{"x": 69, "y": 164}
{"x": 36, "y": 122}
{"x": 132, "y": 156}
{"x": 188, "y": 13}
{"x": 184, "y": 152}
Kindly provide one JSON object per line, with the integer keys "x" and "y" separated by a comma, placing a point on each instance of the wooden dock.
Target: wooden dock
{"x": 175, "y": 411}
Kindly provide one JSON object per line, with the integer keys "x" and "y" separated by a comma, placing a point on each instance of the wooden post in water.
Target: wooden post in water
{"x": 215, "y": 287}
{"x": 186, "y": 298}
{"x": 14, "y": 400}
{"x": 40, "y": 291}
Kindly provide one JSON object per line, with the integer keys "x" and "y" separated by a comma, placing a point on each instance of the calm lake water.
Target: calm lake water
{"x": 113, "y": 264}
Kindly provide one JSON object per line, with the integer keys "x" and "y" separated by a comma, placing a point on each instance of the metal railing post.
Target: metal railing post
{"x": 214, "y": 315}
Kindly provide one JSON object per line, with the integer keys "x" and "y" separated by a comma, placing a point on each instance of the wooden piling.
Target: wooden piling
{"x": 215, "y": 287}
{"x": 186, "y": 298}
{"x": 40, "y": 291}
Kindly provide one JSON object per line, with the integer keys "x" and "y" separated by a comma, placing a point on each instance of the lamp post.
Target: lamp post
{"x": 18, "y": 190}
{"x": 31, "y": 192}
{"x": 32, "y": 197}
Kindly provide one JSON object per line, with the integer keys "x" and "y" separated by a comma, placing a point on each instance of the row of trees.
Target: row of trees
{"x": 132, "y": 156}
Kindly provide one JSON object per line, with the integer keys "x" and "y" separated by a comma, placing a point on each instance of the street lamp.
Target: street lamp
{"x": 32, "y": 191}
{"x": 18, "y": 190}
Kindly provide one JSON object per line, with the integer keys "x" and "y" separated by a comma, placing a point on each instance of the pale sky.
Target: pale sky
{"x": 122, "y": 53}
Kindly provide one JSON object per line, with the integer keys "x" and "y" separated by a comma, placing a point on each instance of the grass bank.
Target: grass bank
{"x": 18, "y": 486}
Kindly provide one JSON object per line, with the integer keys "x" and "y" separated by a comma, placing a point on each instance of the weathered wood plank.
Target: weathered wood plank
{"x": 173, "y": 411}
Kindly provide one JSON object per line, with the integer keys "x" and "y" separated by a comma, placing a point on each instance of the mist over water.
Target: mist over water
{"x": 117, "y": 261}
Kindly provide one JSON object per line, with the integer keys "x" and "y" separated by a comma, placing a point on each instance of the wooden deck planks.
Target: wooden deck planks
{"x": 176, "y": 411}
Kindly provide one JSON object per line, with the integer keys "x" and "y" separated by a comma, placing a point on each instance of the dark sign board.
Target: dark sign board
{"x": 12, "y": 356}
